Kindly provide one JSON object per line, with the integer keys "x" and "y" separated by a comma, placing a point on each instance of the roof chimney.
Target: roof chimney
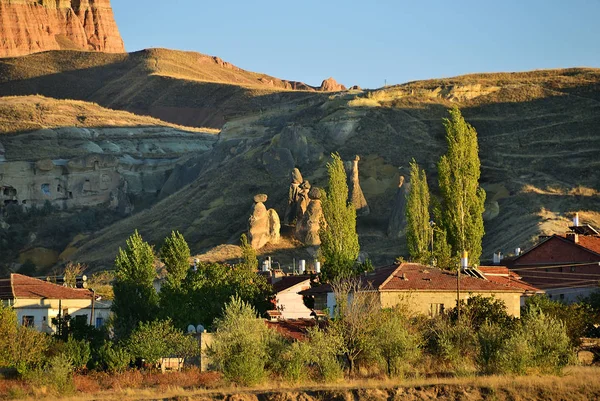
{"x": 404, "y": 277}
{"x": 574, "y": 237}
{"x": 576, "y": 220}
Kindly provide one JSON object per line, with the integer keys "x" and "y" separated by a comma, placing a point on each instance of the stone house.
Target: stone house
{"x": 429, "y": 290}
{"x": 37, "y": 302}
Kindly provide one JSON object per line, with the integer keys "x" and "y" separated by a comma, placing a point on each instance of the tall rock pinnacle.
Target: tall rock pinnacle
{"x": 30, "y": 26}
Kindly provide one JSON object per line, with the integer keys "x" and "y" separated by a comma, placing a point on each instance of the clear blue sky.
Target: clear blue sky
{"x": 365, "y": 42}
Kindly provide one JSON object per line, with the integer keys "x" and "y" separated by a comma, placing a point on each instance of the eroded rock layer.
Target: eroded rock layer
{"x": 31, "y": 26}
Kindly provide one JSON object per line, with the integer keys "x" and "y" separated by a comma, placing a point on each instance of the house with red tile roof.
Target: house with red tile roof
{"x": 37, "y": 302}
{"x": 565, "y": 267}
{"x": 428, "y": 290}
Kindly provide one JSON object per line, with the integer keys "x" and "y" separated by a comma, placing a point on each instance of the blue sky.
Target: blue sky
{"x": 370, "y": 42}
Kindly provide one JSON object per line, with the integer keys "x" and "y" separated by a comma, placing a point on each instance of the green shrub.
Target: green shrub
{"x": 454, "y": 343}
{"x": 57, "y": 374}
{"x": 295, "y": 360}
{"x": 516, "y": 355}
{"x": 239, "y": 349}
{"x": 550, "y": 345}
{"x": 397, "y": 346}
{"x": 77, "y": 352}
{"x": 113, "y": 359}
{"x": 325, "y": 347}
{"x": 491, "y": 339}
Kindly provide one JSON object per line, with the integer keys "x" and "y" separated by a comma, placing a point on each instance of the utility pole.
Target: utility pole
{"x": 464, "y": 263}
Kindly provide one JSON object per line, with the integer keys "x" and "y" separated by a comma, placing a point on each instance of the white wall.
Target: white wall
{"x": 44, "y": 310}
{"x": 290, "y": 303}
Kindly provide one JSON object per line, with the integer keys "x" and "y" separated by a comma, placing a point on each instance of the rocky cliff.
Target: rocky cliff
{"x": 31, "y": 26}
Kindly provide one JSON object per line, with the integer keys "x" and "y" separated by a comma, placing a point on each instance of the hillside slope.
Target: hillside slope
{"x": 185, "y": 88}
{"x": 538, "y": 140}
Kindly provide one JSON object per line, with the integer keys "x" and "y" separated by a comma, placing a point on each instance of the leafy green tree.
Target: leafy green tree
{"x": 339, "y": 239}
{"x": 212, "y": 286}
{"x": 175, "y": 254}
{"x": 463, "y": 198}
{"x": 158, "y": 339}
{"x": 418, "y": 229}
{"x": 136, "y": 299}
{"x": 240, "y": 344}
{"x": 249, "y": 258}
{"x": 397, "y": 345}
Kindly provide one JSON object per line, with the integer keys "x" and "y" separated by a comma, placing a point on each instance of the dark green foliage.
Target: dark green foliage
{"x": 135, "y": 297}
{"x": 78, "y": 352}
{"x": 213, "y": 284}
{"x": 113, "y": 358}
{"x": 579, "y": 318}
{"x": 397, "y": 345}
{"x": 339, "y": 239}
{"x": 154, "y": 340}
{"x": 249, "y": 259}
{"x": 175, "y": 254}
{"x": 479, "y": 310}
{"x": 418, "y": 229}
{"x": 463, "y": 198}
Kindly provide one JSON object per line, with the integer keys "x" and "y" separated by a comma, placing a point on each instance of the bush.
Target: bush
{"x": 551, "y": 348}
{"x": 295, "y": 360}
{"x": 57, "y": 374}
{"x": 113, "y": 359}
{"x": 160, "y": 339}
{"x": 325, "y": 347}
{"x": 77, "y": 352}
{"x": 454, "y": 343}
{"x": 491, "y": 339}
{"x": 397, "y": 346}
{"x": 239, "y": 349}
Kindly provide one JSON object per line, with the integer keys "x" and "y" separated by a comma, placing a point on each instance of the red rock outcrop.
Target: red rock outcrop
{"x": 30, "y": 26}
{"x": 331, "y": 85}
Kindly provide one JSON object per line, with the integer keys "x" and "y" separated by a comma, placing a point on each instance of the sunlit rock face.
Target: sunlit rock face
{"x": 30, "y": 26}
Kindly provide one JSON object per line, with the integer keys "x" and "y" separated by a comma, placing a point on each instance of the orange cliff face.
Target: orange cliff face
{"x": 30, "y": 26}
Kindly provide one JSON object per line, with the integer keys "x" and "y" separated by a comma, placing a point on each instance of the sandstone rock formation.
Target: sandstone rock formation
{"x": 291, "y": 211}
{"x": 307, "y": 229}
{"x": 304, "y": 200}
{"x": 76, "y": 167}
{"x": 331, "y": 85}
{"x": 30, "y": 26}
{"x": 397, "y": 222}
{"x": 355, "y": 193}
{"x": 263, "y": 224}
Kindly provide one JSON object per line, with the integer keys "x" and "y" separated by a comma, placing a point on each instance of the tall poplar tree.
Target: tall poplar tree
{"x": 463, "y": 198}
{"x": 339, "y": 240}
{"x": 136, "y": 299}
{"x": 418, "y": 229}
{"x": 175, "y": 254}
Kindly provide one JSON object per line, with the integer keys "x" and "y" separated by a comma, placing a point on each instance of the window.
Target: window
{"x": 562, "y": 296}
{"x": 99, "y": 322}
{"x": 28, "y": 321}
{"x": 436, "y": 309}
{"x": 81, "y": 319}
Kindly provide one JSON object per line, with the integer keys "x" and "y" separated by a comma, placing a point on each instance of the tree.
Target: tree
{"x": 240, "y": 344}
{"x": 175, "y": 254}
{"x": 397, "y": 346}
{"x": 418, "y": 230}
{"x": 339, "y": 240}
{"x": 250, "y": 261}
{"x": 158, "y": 339}
{"x": 136, "y": 299}
{"x": 463, "y": 198}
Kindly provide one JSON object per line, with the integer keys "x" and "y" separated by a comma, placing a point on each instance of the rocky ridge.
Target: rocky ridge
{"x": 31, "y": 26}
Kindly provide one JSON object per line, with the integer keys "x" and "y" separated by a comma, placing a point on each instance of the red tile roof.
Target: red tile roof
{"x": 590, "y": 242}
{"x": 294, "y": 329}
{"x": 20, "y": 286}
{"x": 417, "y": 277}
{"x": 502, "y": 275}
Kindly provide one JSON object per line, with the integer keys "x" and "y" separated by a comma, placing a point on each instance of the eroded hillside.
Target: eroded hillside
{"x": 538, "y": 143}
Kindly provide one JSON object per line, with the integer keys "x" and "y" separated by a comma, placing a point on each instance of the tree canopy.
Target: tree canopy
{"x": 418, "y": 229}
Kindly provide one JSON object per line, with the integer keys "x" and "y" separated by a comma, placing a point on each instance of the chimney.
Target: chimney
{"x": 317, "y": 267}
{"x": 464, "y": 260}
{"x": 576, "y": 220}
{"x": 496, "y": 258}
{"x": 517, "y": 251}
{"x": 573, "y": 237}
{"x": 404, "y": 277}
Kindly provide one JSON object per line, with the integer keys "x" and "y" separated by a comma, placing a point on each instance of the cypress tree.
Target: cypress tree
{"x": 339, "y": 240}
{"x": 418, "y": 230}
{"x": 135, "y": 299}
{"x": 463, "y": 198}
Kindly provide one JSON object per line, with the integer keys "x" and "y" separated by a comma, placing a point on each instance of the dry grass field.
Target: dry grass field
{"x": 577, "y": 383}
